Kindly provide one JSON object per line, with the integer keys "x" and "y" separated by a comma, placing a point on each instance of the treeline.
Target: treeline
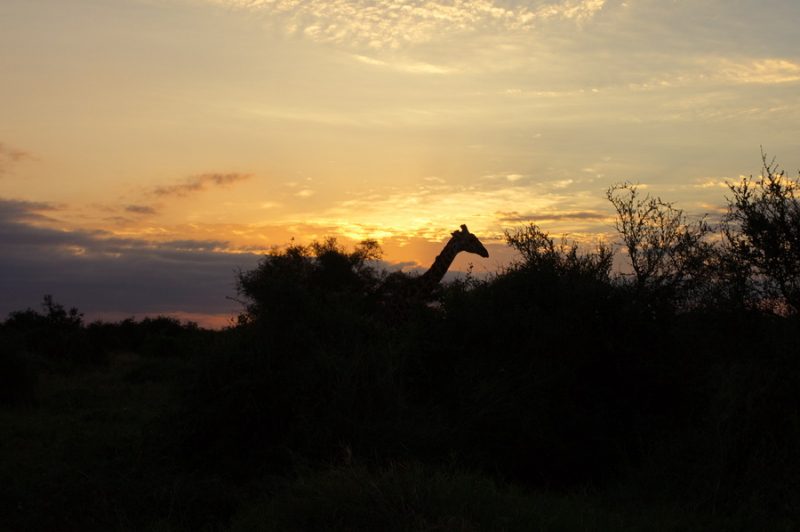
{"x": 61, "y": 334}
{"x": 60, "y": 337}
{"x": 674, "y": 381}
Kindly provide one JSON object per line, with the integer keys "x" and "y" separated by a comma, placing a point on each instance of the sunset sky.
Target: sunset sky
{"x": 150, "y": 147}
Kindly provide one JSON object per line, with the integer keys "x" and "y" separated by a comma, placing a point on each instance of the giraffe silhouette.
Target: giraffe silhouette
{"x": 419, "y": 289}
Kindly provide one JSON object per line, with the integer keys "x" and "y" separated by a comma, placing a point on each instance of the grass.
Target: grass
{"x": 74, "y": 459}
{"x": 415, "y": 497}
{"x": 91, "y": 453}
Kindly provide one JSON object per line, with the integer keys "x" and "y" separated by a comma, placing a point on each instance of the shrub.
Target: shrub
{"x": 762, "y": 236}
{"x": 306, "y": 294}
{"x": 539, "y": 252}
{"x": 670, "y": 257}
{"x": 58, "y": 333}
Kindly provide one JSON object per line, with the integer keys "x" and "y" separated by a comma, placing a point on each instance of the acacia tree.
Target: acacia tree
{"x": 669, "y": 256}
{"x": 540, "y": 252}
{"x": 762, "y": 234}
{"x": 298, "y": 281}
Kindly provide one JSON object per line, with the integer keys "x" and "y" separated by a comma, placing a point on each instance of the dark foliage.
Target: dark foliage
{"x": 61, "y": 335}
{"x": 675, "y": 382}
{"x": 56, "y": 333}
{"x": 670, "y": 258}
{"x": 304, "y": 369}
{"x": 553, "y": 371}
{"x": 762, "y": 230}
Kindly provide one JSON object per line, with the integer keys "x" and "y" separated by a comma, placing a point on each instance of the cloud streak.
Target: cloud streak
{"x": 538, "y": 217}
{"x": 12, "y": 210}
{"x": 199, "y": 183}
{"x": 768, "y": 71}
{"x": 10, "y": 156}
{"x": 140, "y": 209}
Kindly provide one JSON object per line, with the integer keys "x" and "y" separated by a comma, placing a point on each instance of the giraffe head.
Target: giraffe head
{"x": 468, "y": 242}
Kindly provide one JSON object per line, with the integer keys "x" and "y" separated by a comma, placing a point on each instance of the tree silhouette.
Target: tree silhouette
{"x": 762, "y": 233}
{"x": 670, "y": 256}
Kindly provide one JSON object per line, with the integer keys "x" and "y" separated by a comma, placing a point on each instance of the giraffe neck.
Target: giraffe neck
{"x": 431, "y": 278}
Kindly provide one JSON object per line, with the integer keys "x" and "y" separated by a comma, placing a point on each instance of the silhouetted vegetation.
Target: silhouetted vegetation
{"x": 557, "y": 393}
{"x": 670, "y": 257}
{"x": 762, "y": 233}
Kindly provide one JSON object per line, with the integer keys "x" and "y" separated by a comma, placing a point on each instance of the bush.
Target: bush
{"x": 58, "y": 333}
{"x": 762, "y": 236}
{"x": 540, "y": 253}
{"x": 259, "y": 401}
{"x": 526, "y": 374}
{"x": 670, "y": 258}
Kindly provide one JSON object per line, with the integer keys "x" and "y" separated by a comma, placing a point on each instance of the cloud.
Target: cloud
{"x": 140, "y": 209}
{"x": 538, "y": 217}
{"x": 702, "y": 71}
{"x": 390, "y": 25}
{"x": 766, "y": 71}
{"x": 413, "y": 67}
{"x": 10, "y": 156}
{"x": 99, "y": 272}
{"x": 193, "y": 245}
{"x": 12, "y": 210}
{"x": 712, "y": 182}
{"x": 199, "y": 183}
{"x": 431, "y": 211}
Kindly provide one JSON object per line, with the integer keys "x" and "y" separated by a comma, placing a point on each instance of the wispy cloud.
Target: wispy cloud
{"x": 700, "y": 71}
{"x": 538, "y": 217}
{"x": 760, "y": 71}
{"x": 711, "y": 183}
{"x": 12, "y": 210}
{"x": 140, "y": 209}
{"x": 10, "y": 156}
{"x": 199, "y": 183}
{"x": 390, "y": 24}
{"x": 413, "y": 67}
